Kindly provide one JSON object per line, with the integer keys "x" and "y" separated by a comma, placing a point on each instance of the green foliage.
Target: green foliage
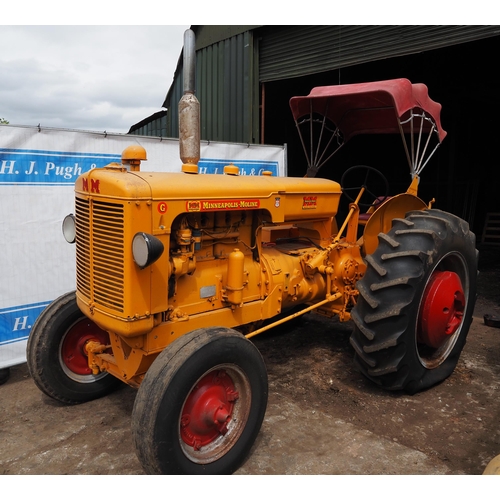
{"x": 3, "y": 121}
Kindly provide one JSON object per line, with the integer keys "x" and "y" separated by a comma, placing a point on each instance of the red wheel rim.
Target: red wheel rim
{"x": 215, "y": 413}
{"x": 208, "y": 409}
{"x": 442, "y": 309}
{"x": 73, "y": 353}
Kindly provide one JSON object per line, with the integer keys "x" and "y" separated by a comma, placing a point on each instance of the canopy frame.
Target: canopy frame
{"x": 386, "y": 107}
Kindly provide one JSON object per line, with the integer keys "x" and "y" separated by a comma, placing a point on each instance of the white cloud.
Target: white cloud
{"x": 86, "y": 77}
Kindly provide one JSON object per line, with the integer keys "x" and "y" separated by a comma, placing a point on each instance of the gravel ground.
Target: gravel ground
{"x": 323, "y": 416}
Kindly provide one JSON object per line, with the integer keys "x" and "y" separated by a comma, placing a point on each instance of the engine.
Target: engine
{"x": 160, "y": 254}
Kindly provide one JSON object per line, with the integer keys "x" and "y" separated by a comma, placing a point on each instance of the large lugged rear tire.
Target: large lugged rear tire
{"x": 201, "y": 404}
{"x": 56, "y": 356}
{"x": 416, "y": 301}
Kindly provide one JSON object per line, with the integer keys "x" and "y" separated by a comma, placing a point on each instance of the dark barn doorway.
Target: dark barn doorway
{"x": 464, "y": 174}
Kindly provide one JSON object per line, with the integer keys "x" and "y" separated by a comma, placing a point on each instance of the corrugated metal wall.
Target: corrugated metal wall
{"x": 227, "y": 88}
{"x": 292, "y": 51}
{"x": 223, "y": 89}
{"x": 155, "y": 125}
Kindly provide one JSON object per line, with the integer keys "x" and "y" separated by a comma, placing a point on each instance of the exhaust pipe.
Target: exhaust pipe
{"x": 189, "y": 110}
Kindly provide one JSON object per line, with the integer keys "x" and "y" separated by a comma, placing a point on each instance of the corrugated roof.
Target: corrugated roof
{"x": 292, "y": 51}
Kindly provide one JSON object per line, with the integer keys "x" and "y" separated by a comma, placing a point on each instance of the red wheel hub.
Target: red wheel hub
{"x": 442, "y": 309}
{"x": 208, "y": 409}
{"x": 73, "y": 353}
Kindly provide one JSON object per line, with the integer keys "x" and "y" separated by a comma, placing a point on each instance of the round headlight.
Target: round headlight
{"x": 146, "y": 249}
{"x": 69, "y": 228}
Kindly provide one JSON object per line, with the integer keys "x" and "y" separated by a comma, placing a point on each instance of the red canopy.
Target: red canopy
{"x": 370, "y": 108}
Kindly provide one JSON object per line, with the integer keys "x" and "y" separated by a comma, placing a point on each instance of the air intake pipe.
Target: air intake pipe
{"x": 189, "y": 110}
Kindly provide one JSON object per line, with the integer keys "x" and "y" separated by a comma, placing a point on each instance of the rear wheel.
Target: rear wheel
{"x": 56, "y": 355}
{"x": 201, "y": 404}
{"x": 416, "y": 301}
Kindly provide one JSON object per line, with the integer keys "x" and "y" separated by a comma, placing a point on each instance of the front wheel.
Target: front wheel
{"x": 416, "y": 301}
{"x": 201, "y": 404}
{"x": 56, "y": 355}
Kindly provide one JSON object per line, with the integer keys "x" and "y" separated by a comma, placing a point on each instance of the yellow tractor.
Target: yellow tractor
{"x": 175, "y": 272}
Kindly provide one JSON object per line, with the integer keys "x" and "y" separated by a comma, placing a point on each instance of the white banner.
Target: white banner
{"x": 38, "y": 168}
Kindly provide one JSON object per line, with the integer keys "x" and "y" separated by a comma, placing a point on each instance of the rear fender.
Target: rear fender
{"x": 381, "y": 219}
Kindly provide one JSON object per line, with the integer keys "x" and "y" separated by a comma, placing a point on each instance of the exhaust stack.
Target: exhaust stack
{"x": 189, "y": 110}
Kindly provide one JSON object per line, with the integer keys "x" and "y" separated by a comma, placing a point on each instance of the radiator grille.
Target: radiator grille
{"x": 99, "y": 252}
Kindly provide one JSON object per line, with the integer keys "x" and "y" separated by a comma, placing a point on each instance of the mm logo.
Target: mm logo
{"x": 94, "y": 185}
{"x": 193, "y": 206}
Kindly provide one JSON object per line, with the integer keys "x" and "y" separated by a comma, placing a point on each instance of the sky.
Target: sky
{"x": 97, "y": 78}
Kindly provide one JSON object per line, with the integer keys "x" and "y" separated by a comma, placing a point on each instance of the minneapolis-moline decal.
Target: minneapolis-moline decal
{"x": 309, "y": 202}
{"x": 211, "y": 205}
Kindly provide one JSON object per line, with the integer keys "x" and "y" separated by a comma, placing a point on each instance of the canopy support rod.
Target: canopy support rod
{"x": 419, "y": 166}
{"x": 311, "y": 130}
{"x": 429, "y": 157}
{"x": 323, "y": 162}
{"x": 406, "y": 148}
{"x": 335, "y": 133}
{"x": 413, "y": 169}
{"x": 418, "y": 158}
{"x": 323, "y": 123}
{"x": 303, "y": 145}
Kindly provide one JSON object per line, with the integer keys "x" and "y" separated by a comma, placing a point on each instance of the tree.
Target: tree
{"x": 3, "y": 121}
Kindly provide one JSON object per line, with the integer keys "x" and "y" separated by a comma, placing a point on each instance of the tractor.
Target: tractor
{"x": 176, "y": 272}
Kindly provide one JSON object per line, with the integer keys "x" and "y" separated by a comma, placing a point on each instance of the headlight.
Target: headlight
{"x": 146, "y": 249}
{"x": 69, "y": 228}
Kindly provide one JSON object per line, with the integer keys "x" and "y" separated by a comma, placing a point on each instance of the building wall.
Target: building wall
{"x": 226, "y": 81}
